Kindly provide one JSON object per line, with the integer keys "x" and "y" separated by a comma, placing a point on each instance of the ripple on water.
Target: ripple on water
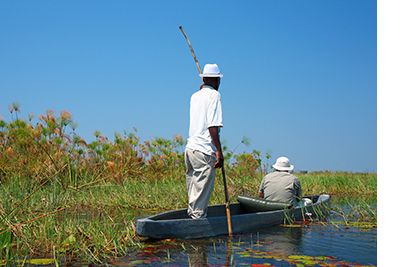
{"x": 349, "y": 244}
{"x": 278, "y": 246}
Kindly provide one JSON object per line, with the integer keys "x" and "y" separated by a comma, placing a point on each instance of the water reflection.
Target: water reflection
{"x": 197, "y": 255}
{"x": 315, "y": 245}
{"x": 282, "y": 241}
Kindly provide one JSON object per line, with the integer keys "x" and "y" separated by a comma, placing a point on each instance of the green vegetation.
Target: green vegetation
{"x": 63, "y": 198}
{"x": 341, "y": 184}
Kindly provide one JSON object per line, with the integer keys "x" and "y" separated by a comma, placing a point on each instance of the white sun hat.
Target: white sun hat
{"x": 283, "y": 164}
{"x": 211, "y": 70}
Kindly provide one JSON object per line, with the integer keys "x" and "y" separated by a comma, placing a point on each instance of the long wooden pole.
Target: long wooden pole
{"x": 228, "y": 213}
{"x": 230, "y": 232}
{"x": 192, "y": 50}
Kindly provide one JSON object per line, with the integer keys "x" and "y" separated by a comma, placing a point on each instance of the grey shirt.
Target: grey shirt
{"x": 281, "y": 187}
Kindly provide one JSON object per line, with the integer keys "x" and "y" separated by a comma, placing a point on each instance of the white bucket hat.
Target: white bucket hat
{"x": 211, "y": 70}
{"x": 283, "y": 164}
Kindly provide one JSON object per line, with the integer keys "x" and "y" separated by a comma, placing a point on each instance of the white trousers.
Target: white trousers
{"x": 200, "y": 181}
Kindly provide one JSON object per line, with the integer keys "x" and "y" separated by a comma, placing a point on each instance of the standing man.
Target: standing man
{"x": 203, "y": 152}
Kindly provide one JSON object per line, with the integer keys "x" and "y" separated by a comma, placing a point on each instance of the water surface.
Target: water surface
{"x": 311, "y": 245}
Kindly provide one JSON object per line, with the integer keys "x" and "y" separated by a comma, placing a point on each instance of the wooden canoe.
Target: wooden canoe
{"x": 177, "y": 224}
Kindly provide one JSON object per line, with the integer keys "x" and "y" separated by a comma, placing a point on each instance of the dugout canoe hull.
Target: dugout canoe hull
{"x": 177, "y": 224}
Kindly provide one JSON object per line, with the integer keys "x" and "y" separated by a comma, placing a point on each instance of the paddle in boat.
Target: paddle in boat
{"x": 248, "y": 215}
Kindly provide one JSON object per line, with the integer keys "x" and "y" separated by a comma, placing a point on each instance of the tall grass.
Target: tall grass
{"x": 64, "y": 198}
{"x": 343, "y": 184}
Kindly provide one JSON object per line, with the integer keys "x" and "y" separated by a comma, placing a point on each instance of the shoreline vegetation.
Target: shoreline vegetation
{"x": 64, "y": 199}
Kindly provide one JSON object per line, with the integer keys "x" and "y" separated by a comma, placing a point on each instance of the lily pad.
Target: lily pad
{"x": 40, "y": 261}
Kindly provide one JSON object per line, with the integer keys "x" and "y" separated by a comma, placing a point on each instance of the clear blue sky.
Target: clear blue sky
{"x": 299, "y": 76}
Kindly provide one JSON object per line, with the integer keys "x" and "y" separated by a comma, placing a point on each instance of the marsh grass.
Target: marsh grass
{"x": 341, "y": 184}
{"x": 65, "y": 199}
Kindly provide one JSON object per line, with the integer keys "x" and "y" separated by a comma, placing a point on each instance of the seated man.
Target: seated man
{"x": 280, "y": 185}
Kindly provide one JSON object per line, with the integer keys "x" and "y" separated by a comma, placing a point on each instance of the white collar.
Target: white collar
{"x": 208, "y": 86}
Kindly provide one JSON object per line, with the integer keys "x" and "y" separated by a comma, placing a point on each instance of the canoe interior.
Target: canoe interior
{"x": 213, "y": 211}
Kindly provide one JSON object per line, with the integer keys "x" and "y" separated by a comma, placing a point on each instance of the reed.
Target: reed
{"x": 64, "y": 199}
{"x": 341, "y": 184}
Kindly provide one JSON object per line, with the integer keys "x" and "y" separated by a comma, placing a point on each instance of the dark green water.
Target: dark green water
{"x": 312, "y": 245}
